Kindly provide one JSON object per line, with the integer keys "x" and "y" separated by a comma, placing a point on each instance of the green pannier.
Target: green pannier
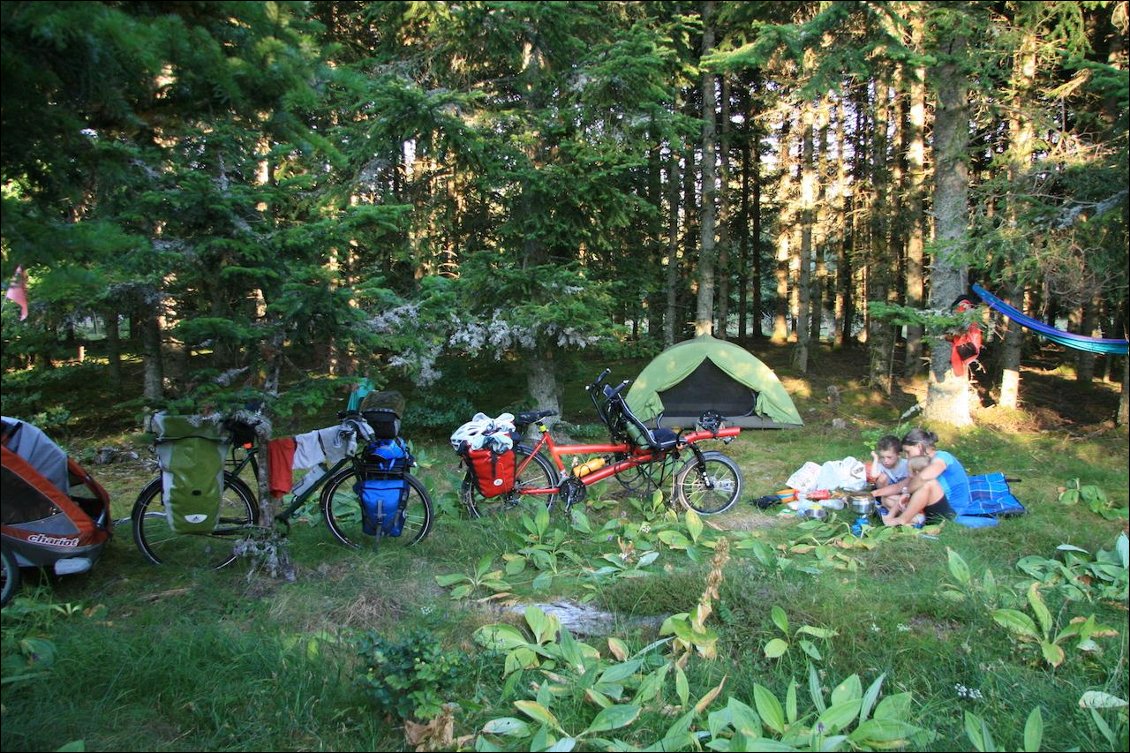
{"x": 191, "y": 451}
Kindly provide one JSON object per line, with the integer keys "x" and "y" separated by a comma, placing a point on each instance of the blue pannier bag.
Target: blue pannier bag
{"x": 382, "y": 489}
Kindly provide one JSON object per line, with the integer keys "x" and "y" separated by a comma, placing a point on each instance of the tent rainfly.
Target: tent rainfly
{"x": 711, "y": 374}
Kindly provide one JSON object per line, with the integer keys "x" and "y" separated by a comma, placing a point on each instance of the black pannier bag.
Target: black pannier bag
{"x": 384, "y": 422}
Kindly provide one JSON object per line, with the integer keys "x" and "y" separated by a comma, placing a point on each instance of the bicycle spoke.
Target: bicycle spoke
{"x": 160, "y": 544}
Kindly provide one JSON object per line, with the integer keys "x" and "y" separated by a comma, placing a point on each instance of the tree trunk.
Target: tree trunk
{"x": 743, "y": 239}
{"x": 758, "y": 304}
{"x": 704, "y": 310}
{"x": 655, "y": 296}
{"x": 880, "y": 271}
{"x": 152, "y": 364}
{"x": 1022, "y": 135}
{"x": 784, "y": 230}
{"x": 841, "y": 303}
{"x": 1123, "y": 417}
{"x": 1011, "y": 351}
{"x": 807, "y": 214}
{"x": 724, "y": 216}
{"x": 113, "y": 347}
{"x": 689, "y": 237}
{"x": 1084, "y": 360}
{"x": 821, "y": 220}
{"x": 915, "y": 213}
{"x": 674, "y": 187}
{"x": 541, "y": 381}
{"x": 174, "y": 353}
{"x": 947, "y": 396}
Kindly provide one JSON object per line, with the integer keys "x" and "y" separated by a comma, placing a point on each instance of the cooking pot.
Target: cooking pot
{"x": 863, "y": 505}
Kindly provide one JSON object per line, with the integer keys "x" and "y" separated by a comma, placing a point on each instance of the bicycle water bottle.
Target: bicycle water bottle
{"x": 585, "y": 469}
{"x": 313, "y": 476}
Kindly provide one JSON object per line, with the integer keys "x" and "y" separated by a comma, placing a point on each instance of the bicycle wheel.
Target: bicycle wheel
{"x": 709, "y": 488}
{"x": 539, "y": 474}
{"x": 160, "y": 544}
{"x": 342, "y": 511}
{"x": 644, "y": 479}
{"x": 11, "y": 576}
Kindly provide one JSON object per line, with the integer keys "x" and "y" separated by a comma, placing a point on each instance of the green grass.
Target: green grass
{"x": 150, "y": 658}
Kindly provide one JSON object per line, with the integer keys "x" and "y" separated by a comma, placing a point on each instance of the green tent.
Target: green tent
{"x": 710, "y": 374}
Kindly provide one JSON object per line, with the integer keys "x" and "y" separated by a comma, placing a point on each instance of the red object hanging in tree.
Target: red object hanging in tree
{"x": 967, "y": 344}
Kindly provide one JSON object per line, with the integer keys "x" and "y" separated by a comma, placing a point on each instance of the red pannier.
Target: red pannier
{"x": 493, "y": 471}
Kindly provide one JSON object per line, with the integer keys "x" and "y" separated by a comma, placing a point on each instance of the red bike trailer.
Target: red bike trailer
{"x": 52, "y": 511}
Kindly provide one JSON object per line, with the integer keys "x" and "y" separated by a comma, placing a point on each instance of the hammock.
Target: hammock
{"x": 1071, "y": 340}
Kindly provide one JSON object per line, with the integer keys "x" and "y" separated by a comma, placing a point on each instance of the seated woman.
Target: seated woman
{"x": 932, "y": 489}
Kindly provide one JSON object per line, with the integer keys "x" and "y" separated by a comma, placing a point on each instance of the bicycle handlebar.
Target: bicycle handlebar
{"x": 611, "y": 392}
{"x": 599, "y": 380}
{"x": 355, "y": 423}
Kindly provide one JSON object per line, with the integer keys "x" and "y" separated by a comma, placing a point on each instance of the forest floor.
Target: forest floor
{"x": 250, "y": 662}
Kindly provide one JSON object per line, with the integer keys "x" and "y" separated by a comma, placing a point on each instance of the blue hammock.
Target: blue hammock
{"x": 1069, "y": 339}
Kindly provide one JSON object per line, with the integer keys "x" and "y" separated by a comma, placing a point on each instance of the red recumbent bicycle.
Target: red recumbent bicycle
{"x": 640, "y": 458}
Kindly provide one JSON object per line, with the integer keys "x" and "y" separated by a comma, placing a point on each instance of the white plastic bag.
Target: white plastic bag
{"x": 849, "y": 474}
{"x": 805, "y": 478}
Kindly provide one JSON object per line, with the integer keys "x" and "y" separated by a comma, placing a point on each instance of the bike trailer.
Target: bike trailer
{"x": 191, "y": 452}
{"x": 53, "y": 511}
{"x": 382, "y": 489}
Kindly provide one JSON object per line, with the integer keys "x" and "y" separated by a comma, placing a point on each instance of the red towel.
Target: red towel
{"x": 280, "y": 459}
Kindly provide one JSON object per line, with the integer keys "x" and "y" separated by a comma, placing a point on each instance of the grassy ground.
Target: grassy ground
{"x": 133, "y": 657}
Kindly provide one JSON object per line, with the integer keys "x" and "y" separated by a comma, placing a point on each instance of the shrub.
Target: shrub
{"x": 408, "y": 678}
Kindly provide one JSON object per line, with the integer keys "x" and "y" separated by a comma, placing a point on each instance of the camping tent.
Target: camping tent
{"x": 711, "y": 374}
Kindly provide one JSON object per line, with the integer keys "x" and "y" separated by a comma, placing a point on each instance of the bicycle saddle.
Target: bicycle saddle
{"x": 525, "y": 418}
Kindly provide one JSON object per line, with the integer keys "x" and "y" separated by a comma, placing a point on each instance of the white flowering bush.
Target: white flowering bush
{"x": 495, "y": 309}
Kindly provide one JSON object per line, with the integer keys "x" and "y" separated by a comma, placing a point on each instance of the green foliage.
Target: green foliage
{"x": 1043, "y": 632}
{"x": 984, "y": 592}
{"x": 437, "y": 409}
{"x": 573, "y": 670}
{"x": 26, "y": 652}
{"x": 871, "y": 436}
{"x": 481, "y": 577}
{"x": 935, "y": 323}
{"x": 622, "y": 688}
{"x": 1081, "y": 577}
{"x": 1095, "y": 702}
{"x": 982, "y": 738}
{"x": 1094, "y": 498}
{"x": 410, "y": 677}
{"x": 778, "y": 647}
{"x": 541, "y": 547}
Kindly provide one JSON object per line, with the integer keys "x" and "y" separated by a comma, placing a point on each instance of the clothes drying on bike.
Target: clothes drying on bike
{"x": 482, "y": 431}
{"x": 302, "y": 452}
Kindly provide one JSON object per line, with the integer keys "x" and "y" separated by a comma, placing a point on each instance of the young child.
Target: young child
{"x": 887, "y": 465}
{"x": 897, "y": 503}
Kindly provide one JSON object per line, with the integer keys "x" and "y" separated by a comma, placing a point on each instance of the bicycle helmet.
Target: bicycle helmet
{"x": 477, "y": 432}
